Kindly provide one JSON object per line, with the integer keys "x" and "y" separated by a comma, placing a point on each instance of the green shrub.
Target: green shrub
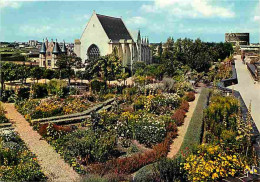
{"x": 6, "y": 94}
{"x": 145, "y": 174}
{"x": 97, "y": 86}
{"x": 55, "y": 85}
{"x": 170, "y": 169}
{"x": 194, "y": 131}
{"x": 3, "y": 119}
{"x": 88, "y": 145}
{"x": 39, "y": 90}
{"x": 23, "y": 93}
{"x": 16, "y": 161}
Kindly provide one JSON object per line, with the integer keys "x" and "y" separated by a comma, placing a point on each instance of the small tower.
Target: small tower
{"x": 139, "y": 37}
{"x": 148, "y": 41}
{"x": 64, "y": 48}
{"x": 46, "y": 43}
{"x": 56, "y": 49}
{"x": 42, "y": 54}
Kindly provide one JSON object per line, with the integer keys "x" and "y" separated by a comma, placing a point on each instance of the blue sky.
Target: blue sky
{"x": 158, "y": 19}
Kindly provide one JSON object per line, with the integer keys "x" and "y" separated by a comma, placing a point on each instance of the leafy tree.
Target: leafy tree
{"x": 66, "y": 64}
{"x": 48, "y": 74}
{"x": 106, "y": 67}
{"x": 37, "y": 73}
{"x": 22, "y": 72}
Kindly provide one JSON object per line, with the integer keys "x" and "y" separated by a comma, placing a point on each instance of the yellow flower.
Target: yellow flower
{"x": 214, "y": 175}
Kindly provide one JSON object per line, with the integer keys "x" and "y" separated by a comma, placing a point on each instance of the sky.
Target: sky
{"x": 208, "y": 20}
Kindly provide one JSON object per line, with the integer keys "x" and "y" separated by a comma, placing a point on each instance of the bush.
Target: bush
{"x": 170, "y": 170}
{"x": 3, "y": 119}
{"x": 39, "y": 90}
{"x": 88, "y": 145}
{"x": 190, "y": 96}
{"x": 6, "y": 94}
{"x": 179, "y": 116}
{"x": 23, "y": 93}
{"x": 185, "y": 106}
{"x": 145, "y": 174}
{"x": 16, "y": 161}
{"x": 194, "y": 131}
{"x": 97, "y": 86}
{"x": 56, "y": 87}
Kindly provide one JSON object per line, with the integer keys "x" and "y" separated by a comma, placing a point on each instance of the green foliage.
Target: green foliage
{"x": 90, "y": 146}
{"x": 106, "y": 67}
{"x": 16, "y": 161}
{"x": 39, "y": 90}
{"x": 97, "y": 86}
{"x": 3, "y": 119}
{"x": 37, "y": 73}
{"x": 23, "y": 93}
{"x": 169, "y": 170}
{"x": 7, "y": 95}
{"x": 66, "y": 64}
{"x": 194, "y": 131}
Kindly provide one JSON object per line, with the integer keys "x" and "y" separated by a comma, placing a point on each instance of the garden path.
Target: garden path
{"x": 53, "y": 166}
{"x": 176, "y": 145}
{"x": 248, "y": 88}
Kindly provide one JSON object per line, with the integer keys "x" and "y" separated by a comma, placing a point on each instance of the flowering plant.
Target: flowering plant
{"x": 212, "y": 163}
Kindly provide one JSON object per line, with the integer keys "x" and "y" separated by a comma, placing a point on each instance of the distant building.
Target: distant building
{"x": 49, "y": 53}
{"x": 32, "y": 43}
{"x": 104, "y": 35}
{"x": 237, "y": 39}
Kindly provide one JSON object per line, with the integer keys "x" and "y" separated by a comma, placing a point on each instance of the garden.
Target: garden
{"x": 17, "y": 163}
{"x": 136, "y": 131}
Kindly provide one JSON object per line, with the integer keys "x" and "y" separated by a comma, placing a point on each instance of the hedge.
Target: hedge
{"x": 194, "y": 131}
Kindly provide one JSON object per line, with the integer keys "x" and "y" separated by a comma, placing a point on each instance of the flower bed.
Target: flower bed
{"x": 36, "y": 108}
{"x": 227, "y": 149}
{"x": 106, "y": 146}
{"x": 17, "y": 163}
{"x": 3, "y": 119}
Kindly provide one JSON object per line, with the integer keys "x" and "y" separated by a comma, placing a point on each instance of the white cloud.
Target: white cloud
{"x": 55, "y": 31}
{"x": 188, "y": 8}
{"x": 84, "y": 17}
{"x": 136, "y": 20}
{"x": 34, "y": 30}
{"x": 257, "y": 18}
{"x": 9, "y": 3}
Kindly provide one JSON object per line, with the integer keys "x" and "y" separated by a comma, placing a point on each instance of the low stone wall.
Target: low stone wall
{"x": 233, "y": 80}
{"x": 75, "y": 115}
{"x": 252, "y": 69}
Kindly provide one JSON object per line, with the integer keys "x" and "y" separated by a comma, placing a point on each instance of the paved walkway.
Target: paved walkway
{"x": 51, "y": 162}
{"x": 249, "y": 90}
{"x": 177, "y": 142}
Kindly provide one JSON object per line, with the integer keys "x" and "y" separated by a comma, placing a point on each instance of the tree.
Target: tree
{"x": 106, "y": 67}
{"x": 48, "y": 74}
{"x": 37, "y": 73}
{"x": 23, "y": 72}
{"x": 66, "y": 64}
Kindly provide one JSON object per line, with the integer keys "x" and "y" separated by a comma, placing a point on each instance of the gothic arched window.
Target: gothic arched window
{"x": 93, "y": 52}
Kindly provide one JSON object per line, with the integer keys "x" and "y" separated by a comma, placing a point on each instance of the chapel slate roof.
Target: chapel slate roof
{"x": 114, "y": 27}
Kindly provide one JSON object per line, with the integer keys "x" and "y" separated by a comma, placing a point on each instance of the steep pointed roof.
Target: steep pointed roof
{"x": 56, "y": 48}
{"x": 114, "y": 27}
{"x": 43, "y": 48}
{"x": 139, "y": 35}
{"x": 64, "y": 48}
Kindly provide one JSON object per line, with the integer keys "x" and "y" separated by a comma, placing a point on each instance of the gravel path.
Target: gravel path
{"x": 248, "y": 88}
{"x": 176, "y": 145}
{"x": 51, "y": 162}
